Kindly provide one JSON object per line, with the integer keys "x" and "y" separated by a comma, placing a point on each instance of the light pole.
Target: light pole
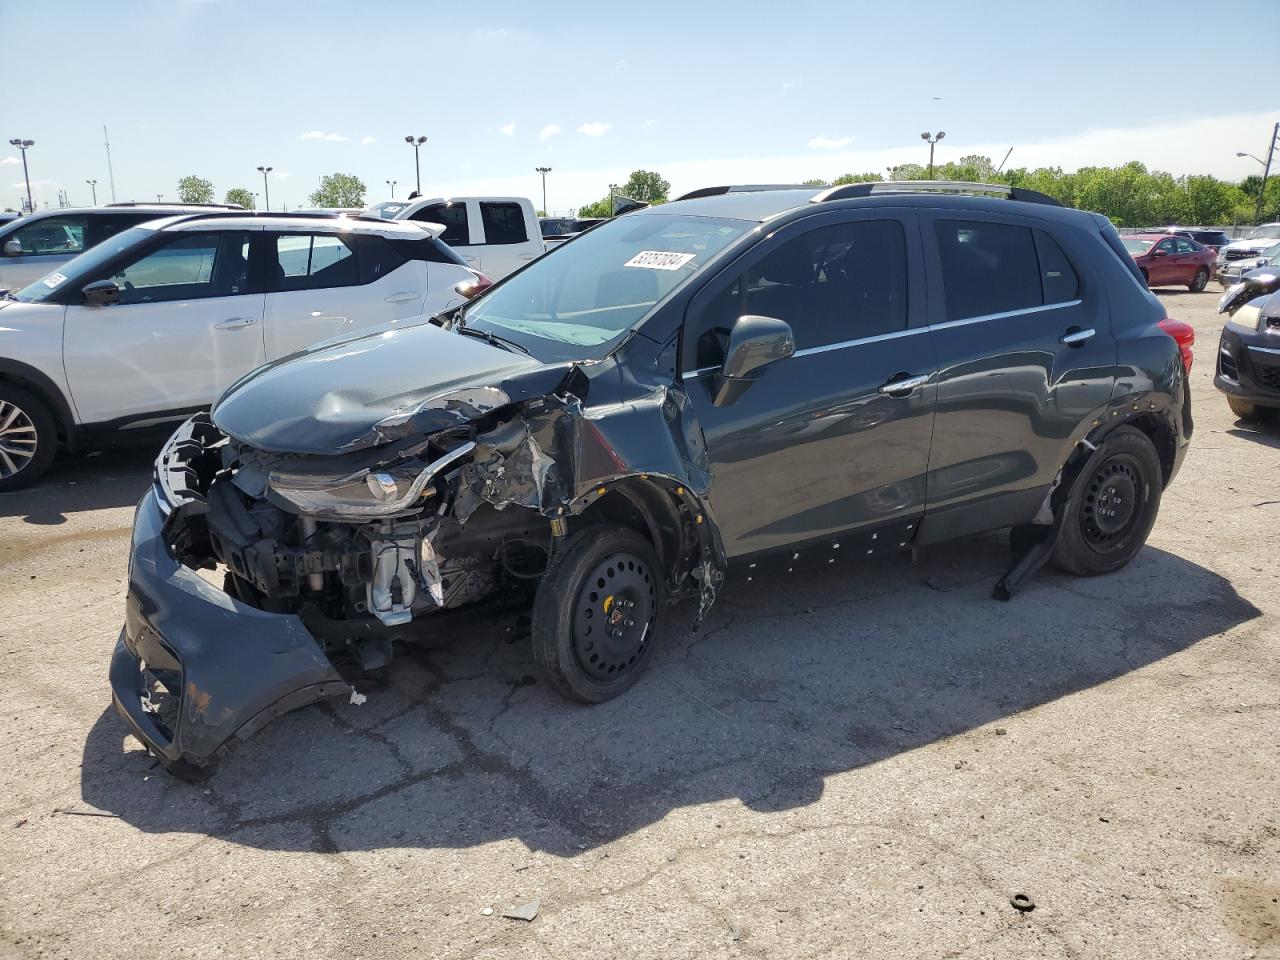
{"x": 159, "y": 198}
{"x": 613, "y": 190}
{"x": 255, "y": 200}
{"x": 23, "y": 145}
{"x": 93, "y": 185}
{"x": 1266, "y": 171}
{"x": 392, "y": 185}
{"x": 544, "y": 171}
{"x": 931, "y": 140}
{"x": 417, "y": 166}
{"x": 266, "y": 190}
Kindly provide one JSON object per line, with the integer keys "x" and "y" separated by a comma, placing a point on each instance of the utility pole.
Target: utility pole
{"x": 931, "y": 140}
{"x": 1262, "y": 190}
{"x": 23, "y": 145}
{"x": 544, "y": 171}
{"x": 111, "y": 177}
{"x": 93, "y": 185}
{"x": 1005, "y": 160}
{"x": 417, "y": 165}
{"x": 266, "y": 190}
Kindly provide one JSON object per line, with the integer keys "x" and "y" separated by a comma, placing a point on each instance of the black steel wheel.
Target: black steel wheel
{"x": 597, "y": 613}
{"x": 1200, "y": 281}
{"x": 1112, "y": 505}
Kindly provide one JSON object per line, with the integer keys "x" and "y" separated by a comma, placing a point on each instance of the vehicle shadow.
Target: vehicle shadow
{"x": 116, "y": 476}
{"x": 790, "y": 681}
{"x": 1267, "y": 434}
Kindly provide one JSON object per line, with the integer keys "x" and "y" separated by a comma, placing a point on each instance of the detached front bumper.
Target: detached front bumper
{"x": 194, "y": 667}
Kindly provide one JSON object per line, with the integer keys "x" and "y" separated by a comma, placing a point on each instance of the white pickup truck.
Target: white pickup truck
{"x": 495, "y": 235}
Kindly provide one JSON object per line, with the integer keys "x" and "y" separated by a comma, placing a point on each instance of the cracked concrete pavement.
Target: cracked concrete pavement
{"x": 866, "y": 760}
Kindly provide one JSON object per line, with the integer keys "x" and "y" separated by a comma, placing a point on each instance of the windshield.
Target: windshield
{"x": 386, "y": 210}
{"x": 79, "y": 270}
{"x": 1135, "y": 246}
{"x": 574, "y": 303}
{"x": 1264, "y": 232}
{"x": 1272, "y": 255}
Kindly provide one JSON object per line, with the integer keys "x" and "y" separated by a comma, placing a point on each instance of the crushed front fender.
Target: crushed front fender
{"x": 195, "y": 668}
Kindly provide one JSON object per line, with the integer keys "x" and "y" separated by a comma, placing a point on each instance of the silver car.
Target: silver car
{"x": 1230, "y": 271}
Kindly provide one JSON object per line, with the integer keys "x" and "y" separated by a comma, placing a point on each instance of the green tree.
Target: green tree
{"x": 646, "y": 186}
{"x": 339, "y": 190}
{"x": 856, "y": 178}
{"x": 241, "y": 196}
{"x": 815, "y": 183}
{"x": 601, "y": 208}
{"x": 193, "y": 189}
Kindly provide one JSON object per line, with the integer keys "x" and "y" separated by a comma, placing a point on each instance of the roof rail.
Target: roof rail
{"x": 741, "y": 188}
{"x": 271, "y": 214}
{"x": 175, "y": 203}
{"x": 849, "y": 190}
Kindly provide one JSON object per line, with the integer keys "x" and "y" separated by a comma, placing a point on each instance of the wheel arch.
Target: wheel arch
{"x": 42, "y": 387}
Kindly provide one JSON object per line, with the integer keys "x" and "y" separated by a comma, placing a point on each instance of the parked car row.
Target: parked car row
{"x": 672, "y": 400}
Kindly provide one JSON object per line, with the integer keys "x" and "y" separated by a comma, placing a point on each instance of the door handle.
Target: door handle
{"x": 402, "y": 297}
{"x": 235, "y": 323}
{"x": 526, "y": 256}
{"x": 900, "y": 388}
{"x": 1075, "y": 336}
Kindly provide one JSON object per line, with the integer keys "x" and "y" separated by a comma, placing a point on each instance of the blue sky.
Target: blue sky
{"x": 702, "y": 92}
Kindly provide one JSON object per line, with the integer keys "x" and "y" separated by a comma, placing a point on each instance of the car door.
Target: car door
{"x": 45, "y": 243}
{"x": 323, "y": 284}
{"x": 461, "y": 227}
{"x": 1187, "y": 259}
{"x": 1164, "y": 264}
{"x": 506, "y": 244}
{"x": 1025, "y": 358}
{"x": 835, "y": 437}
{"x": 188, "y": 324}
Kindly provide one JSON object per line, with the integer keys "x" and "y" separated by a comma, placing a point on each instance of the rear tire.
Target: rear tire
{"x": 1248, "y": 410}
{"x": 1200, "y": 281}
{"x": 1113, "y": 506}
{"x": 28, "y": 438}
{"x": 598, "y": 613}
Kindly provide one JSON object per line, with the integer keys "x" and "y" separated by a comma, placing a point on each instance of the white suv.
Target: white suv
{"x": 42, "y": 241}
{"x": 157, "y": 321}
{"x": 498, "y": 235}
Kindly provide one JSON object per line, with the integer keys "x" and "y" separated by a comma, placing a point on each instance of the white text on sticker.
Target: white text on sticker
{"x": 659, "y": 260}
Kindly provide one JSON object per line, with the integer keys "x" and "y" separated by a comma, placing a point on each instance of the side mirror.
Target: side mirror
{"x": 754, "y": 342}
{"x": 101, "y": 293}
{"x": 1159, "y": 253}
{"x": 12, "y": 247}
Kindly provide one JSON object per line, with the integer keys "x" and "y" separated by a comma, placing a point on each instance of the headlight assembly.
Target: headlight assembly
{"x": 368, "y": 493}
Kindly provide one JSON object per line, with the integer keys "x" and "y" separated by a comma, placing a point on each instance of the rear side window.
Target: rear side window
{"x": 503, "y": 222}
{"x": 987, "y": 268}
{"x": 454, "y": 217}
{"x": 314, "y": 261}
{"x": 49, "y": 235}
{"x": 1057, "y": 277}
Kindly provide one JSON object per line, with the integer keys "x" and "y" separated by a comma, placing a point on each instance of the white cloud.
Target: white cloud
{"x": 828, "y": 143}
{"x": 493, "y": 34}
{"x": 549, "y": 131}
{"x": 788, "y": 84}
{"x": 281, "y": 175}
{"x": 321, "y": 135}
{"x": 595, "y": 128}
{"x": 650, "y": 123}
{"x": 620, "y": 65}
{"x": 368, "y": 140}
{"x": 10, "y": 162}
{"x": 508, "y": 130}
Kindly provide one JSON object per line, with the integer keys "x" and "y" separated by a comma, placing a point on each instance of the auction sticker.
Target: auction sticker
{"x": 659, "y": 260}
{"x": 53, "y": 279}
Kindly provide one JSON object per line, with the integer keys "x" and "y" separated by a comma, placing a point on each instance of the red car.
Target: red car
{"x": 1168, "y": 261}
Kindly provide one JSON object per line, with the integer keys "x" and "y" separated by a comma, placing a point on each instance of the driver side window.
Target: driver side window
{"x": 192, "y": 266}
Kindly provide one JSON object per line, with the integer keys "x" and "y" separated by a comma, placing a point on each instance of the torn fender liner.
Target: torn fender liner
{"x": 195, "y": 667}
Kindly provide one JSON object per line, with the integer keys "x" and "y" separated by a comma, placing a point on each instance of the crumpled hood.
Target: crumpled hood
{"x": 328, "y": 399}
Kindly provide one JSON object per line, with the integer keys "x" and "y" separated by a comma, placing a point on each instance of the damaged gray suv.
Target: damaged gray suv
{"x": 686, "y": 394}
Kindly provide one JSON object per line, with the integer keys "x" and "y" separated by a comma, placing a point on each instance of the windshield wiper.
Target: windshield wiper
{"x": 494, "y": 340}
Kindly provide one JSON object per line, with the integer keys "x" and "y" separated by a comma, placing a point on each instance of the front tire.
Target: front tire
{"x": 1248, "y": 410}
{"x": 1112, "y": 507}
{"x": 1199, "y": 281}
{"x": 598, "y": 613}
{"x": 28, "y": 438}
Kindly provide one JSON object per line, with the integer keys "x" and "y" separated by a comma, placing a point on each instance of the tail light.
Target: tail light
{"x": 1185, "y": 335}
{"x": 472, "y": 288}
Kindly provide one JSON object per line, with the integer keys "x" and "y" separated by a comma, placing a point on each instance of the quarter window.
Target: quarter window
{"x": 454, "y": 217}
{"x": 193, "y": 266}
{"x": 503, "y": 223}
{"x": 51, "y": 235}
{"x": 987, "y": 268}
{"x": 314, "y": 261}
{"x": 1057, "y": 277}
